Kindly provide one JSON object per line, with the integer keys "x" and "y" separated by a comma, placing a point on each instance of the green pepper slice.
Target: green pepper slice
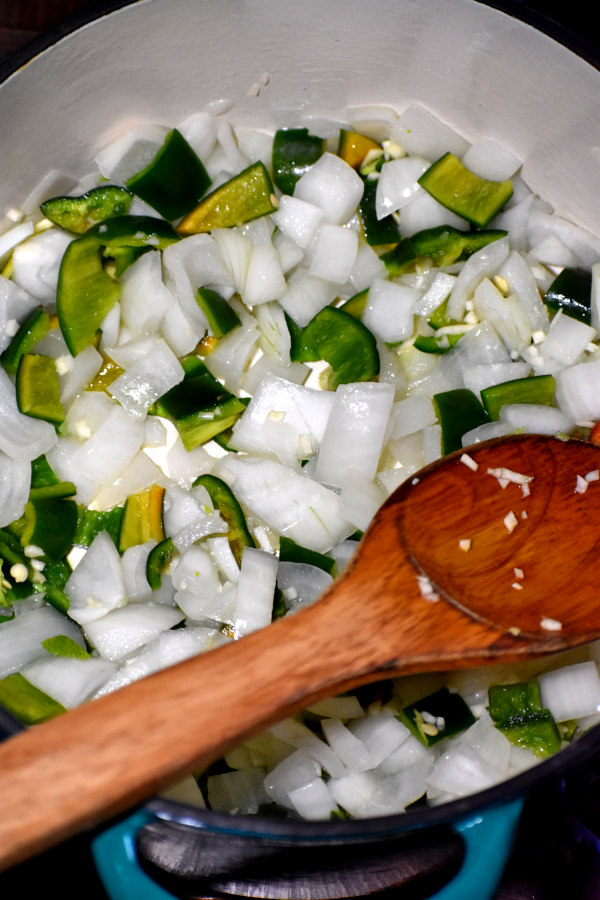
{"x": 538, "y": 389}
{"x": 438, "y": 343}
{"x": 173, "y": 182}
{"x": 443, "y": 245}
{"x": 142, "y": 518}
{"x": 86, "y": 292}
{"x": 38, "y": 389}
{"x": 247, "y": 196}
{"x": 158, "y": 562}
{"x": 224, "y": 500}
{"x": 77, "y": 214}
{"x": 222, "y": 318}
{"x": 458, "y": 411}
{"x": 342, "y": 341}
{"x": 33, "y": 328}
{"x": 50, "y": 523}
{"x": 571, "y": 291}
{"x": 199, "y": 406}
{"x": 289, "y": 551}
{"x": 450, "y": 712}
{"x": 462, "y": 192}
{"x": 295, "y": 150}
{"x": 377, "y": 231}
{"x": 517, "y": 712}
{"x": 92, "y": 521}
{"x": 26, "y": 702}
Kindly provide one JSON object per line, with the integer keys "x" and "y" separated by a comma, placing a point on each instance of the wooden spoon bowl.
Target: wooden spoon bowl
{"x": 415, "y": 598}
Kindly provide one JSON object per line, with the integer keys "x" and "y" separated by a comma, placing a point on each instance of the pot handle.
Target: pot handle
{"x": 488, "y": 837}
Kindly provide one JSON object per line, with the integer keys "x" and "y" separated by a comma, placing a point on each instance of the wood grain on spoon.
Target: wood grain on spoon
{"x": 432, "y": 588}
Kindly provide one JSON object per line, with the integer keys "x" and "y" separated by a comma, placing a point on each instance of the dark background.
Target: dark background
{"x": 550, "y": 860}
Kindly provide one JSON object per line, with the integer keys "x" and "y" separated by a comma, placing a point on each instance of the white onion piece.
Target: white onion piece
{"x": 255, "y": 590}
{"x": 14, "y": 488}
{"x": 147, "y": 379}
{"x": 367, "y": 266}
{"x": 298, "y": 220}
{"x": 483, "y": 375}
{"x": 104, "y": 456}
{"x": 289, "y": 252}
{"x": 381, "y": 735}
{"x": 21, "y": 638}
{"x": 179, "y": 332}
{"x": 240, "y": 792}
{"x": 571, "y": 692}
{"x": 522, "y": 282}
{"x": 14, "y": 236}
{"x": 133, "y": 566}
{"x": 68, "y": 681}
{"x": 578, "y": 391}
{"x": 195, "y": 572}
{"x": 482, "y": 264}
{"x": 352, "y": 751}
{"x": 37, "y": 261}
{"x": 200, "y": 131}
{"x": 264, "y": 276}
{"x": 360, "y": 499}
{"x": 333, "y": 186}
{"x": 223, "y": 558}
{"x": 388, "y": 312}
{"x": 138, "y": 475}
{"x": 567, "y": 339}
{"x": 397, "y": 183}
{"x": 131, "y": 152}
{"x": 355, "y": 431}
{"x": 236, "y": 250}
{"x": 334, "y": 253}
{"x": 15, "y": 306}
{"x": 231, "y": 358}
{"x": 535, "y": 419}
{"x": 486, "y": 432}
{"x": 168, "y": 648}
{"x": 313, "y": 801}
{"x": 190, "y": 263}
{"x": 435, "y": 294}
{"x": 128, "y": 628}
{"x": 96, "y": 585}
{"x": 306, "y": 295}
{"x": 144, "y": 297}
{"x": 423, "y": 211}
{"x": 303, "y": 738}
{"x": 292, "y": 773}
{"x": 301, "y": 583}
{"x": 310, "y": 515}
{"x": 547, "y": 229}
{"x": 410, "y": 415}
{"x": 505, "y": 314}
{"x": 21, "y": 437}
{"x": 302, "y": 411}
{"x": 75, "y": 373}
{"x": 488, "y": 159}
{"x": 420, "y": 131}
{"x": 353, "y": 792}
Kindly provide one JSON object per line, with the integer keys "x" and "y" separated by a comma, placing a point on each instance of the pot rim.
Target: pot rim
{"x": 576, "y": 755}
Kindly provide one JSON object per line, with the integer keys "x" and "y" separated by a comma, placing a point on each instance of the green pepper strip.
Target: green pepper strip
{"x": 26, "y": 702}
{"x": 295, "y": 150}
{"x": 158, "y": 562}
{"x": 222, "y": 318}
{"x": 444, "y": 704}
{"x": 517, "y": 712}
{"x": 174, "y": 180}
{"x": 462, "y": 192}
{"x": 34, "y": 327}
{"x": 458, "y": 411}
{"x": 85, "y": 292}
{"x": 571, "y": 291}
{"x": 538, "y": 389}
{"x": 199, "y": 406}
{"x": 289, "y": 551}
{"x": 342, "y": 341}
{"x": 224, "y": 500}
{"x": 443, "y": 245}
{"x": 77, "y": 214}
{"x": 38, "y": 388}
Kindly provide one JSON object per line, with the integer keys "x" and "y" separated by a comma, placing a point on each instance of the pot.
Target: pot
{"x": 481, "y": 68}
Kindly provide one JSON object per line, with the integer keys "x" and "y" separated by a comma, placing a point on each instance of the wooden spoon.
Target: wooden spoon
{"x": 460, "y": 567}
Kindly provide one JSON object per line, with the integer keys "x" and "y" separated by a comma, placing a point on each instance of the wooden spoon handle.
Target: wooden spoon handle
{"x": 109, "y": 754}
